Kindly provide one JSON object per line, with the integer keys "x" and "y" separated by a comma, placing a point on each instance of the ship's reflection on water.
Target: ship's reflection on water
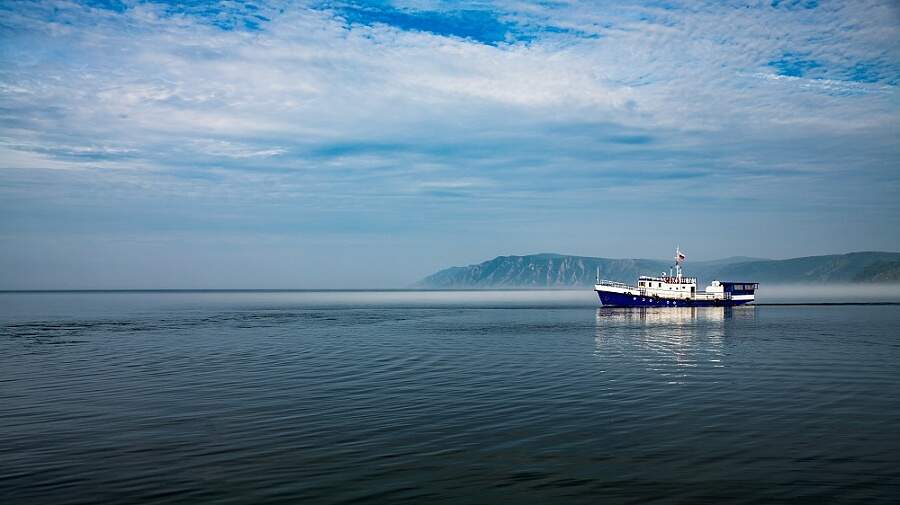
{"x": 663, "y": 316}
{"x": 669, "y": 341}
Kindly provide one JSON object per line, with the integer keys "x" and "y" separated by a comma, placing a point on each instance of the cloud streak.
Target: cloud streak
{"x": 451, "y": 116}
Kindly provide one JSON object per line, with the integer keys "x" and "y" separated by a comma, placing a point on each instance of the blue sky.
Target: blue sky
{"x": 367, "y": 144}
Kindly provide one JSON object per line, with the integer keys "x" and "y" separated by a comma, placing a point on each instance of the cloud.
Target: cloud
{"x": 331, "y": 109}
{"x": 221, "y": 148}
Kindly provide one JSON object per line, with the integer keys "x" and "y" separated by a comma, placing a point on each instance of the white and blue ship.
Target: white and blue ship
{"x": 674, "y": 290}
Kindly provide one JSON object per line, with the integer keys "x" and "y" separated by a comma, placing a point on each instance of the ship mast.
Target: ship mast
{"x": 679, "y": 259}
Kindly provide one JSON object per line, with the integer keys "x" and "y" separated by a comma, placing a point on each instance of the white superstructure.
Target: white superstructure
{"x": 674, "y": 290}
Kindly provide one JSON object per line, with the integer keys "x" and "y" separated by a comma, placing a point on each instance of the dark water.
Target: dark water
{"x": 443, "y": 398}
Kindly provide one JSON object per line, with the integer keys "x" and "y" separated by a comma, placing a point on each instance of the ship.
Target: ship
{"x": 674, "y": 289}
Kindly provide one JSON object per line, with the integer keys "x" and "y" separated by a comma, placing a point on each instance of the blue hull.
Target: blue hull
{"x": 622, "y": 300}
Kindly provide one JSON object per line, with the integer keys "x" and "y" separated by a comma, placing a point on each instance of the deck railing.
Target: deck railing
{"x": 614, "y": 284}
{"x": 669, "y": 279}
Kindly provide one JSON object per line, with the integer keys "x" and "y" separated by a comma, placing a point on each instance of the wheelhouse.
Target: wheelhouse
{"x": 740, "y": 288}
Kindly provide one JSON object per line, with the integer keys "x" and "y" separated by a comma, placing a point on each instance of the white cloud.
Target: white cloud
{"x": 312, "y": 111}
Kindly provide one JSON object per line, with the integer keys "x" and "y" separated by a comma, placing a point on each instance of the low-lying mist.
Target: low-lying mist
{"x": 582, "y": 297}
{"x": 115, "y": 304}
{"x": 828, "y": 293}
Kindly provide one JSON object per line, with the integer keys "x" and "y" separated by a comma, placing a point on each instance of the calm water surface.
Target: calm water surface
{"x": 249, "y": 397}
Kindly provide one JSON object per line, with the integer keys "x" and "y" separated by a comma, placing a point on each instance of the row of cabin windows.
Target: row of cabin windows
{"x": 743, "y": 287}
{"x": 647, "y": 284}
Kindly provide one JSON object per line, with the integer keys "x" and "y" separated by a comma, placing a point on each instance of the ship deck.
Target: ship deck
{"x": 621, "y": 294}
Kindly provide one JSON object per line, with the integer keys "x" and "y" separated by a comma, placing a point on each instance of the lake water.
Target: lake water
{"x": 443, "y": 397}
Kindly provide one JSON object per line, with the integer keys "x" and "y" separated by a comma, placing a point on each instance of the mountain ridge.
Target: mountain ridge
{"x": 554, "y": 270}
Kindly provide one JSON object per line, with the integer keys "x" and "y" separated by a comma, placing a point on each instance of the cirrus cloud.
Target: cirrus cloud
{"x": 321, "y": 112}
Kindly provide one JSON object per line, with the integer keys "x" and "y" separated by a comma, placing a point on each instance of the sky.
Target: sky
{"x": 367, "y": 144}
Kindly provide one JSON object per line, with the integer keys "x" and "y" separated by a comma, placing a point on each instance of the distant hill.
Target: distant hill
{"x": 729, "y": 261}
{"x": 558, "y": 270}
{"x": 852, "y": 267}
{"x": 881, "y": 271}
{"x": 539, "y": 270}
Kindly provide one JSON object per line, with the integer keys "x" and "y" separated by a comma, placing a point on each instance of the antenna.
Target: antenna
{"x": 598, "y": 275}
{"x": 679, "y": 259}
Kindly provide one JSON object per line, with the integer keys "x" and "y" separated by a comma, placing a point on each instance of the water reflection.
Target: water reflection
{"x": 669, "y": 341}
{"x": 651, "y": 318}
{"x": 654, "y": 316}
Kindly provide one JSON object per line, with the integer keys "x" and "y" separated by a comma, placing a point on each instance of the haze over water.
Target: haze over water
{"x": 443, "y": 397}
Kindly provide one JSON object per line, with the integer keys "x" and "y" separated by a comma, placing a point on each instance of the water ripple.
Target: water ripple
{"x": 249, "y": 404}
